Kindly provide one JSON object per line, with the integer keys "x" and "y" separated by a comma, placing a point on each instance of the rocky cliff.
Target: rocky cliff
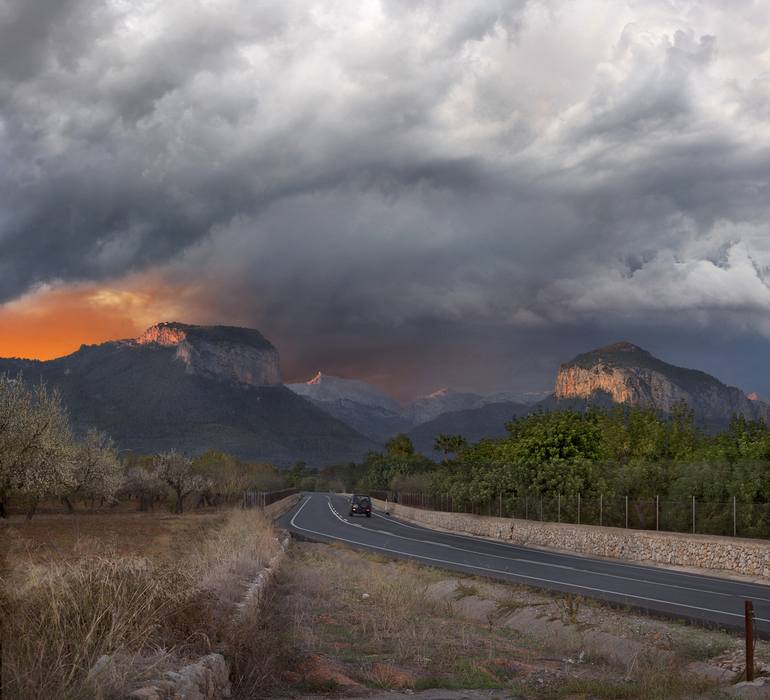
{"x": 240, "y": 355}
{"x": 194, "y": 388}
{"x": 628, "y": 374}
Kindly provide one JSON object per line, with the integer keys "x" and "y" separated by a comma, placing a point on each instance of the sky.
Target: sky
{"x": 418, "y": 193}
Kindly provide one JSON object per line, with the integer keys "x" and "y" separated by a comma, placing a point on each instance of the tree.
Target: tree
{"x": 97, "y": 472}
{"x": 142, "y": 480}
{"x": 176, "y": 471}
{"x": 400, "y": 446}
{"x": 449, "y": 444}
{"x": 36, "y": 447}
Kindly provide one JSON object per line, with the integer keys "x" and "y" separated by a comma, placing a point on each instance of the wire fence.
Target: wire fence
{"x": 260, "y": 499}
{"x": 727, "y": 518}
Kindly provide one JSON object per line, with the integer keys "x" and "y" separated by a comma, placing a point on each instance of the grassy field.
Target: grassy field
{"x": 149, "y": 590}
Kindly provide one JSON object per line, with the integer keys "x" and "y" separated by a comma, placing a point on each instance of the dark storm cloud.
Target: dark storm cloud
{"x": 497, "y": 170}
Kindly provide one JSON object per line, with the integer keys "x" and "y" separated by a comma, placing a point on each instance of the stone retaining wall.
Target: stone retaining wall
{"x": 277, "y": 509}
{"x": 726, "y": 554}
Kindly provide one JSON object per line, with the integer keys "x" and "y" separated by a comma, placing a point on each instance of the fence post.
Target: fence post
{"x": 526, "y": 507}
{"x": 657, "y": 512}
{"x": 500, "y": 505}
{"x": 749, "y": 625}
{"x": 541, "y": 509}
{"x": 735, "y": 520}
{"x": 693, "y": 515}
{"x": 578, "y": 522}
{"x": 558, "y": 510}
{"x": 626, "y": 512}
{"x": 601, "y": 509}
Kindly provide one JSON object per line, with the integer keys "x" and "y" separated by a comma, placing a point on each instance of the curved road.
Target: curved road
{"x": 705, "y": 599}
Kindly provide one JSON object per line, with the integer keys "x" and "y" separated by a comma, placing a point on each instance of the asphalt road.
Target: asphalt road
{"x": 705, "y": 599}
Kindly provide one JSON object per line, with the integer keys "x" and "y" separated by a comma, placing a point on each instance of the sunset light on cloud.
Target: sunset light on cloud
{"x": 425, "y": 192}
{"x": 53, "y": 321}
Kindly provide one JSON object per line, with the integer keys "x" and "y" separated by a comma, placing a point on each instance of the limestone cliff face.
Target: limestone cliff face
{"x": 238, "y": 355}
{"x": 630, "y": 375}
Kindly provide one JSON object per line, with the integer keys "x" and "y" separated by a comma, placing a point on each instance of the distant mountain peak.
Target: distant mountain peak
{"x": 327, "y": 388}
{"x": 621, "y": 346}
{"x": 171, "y": 333}
{"x": 627, "y": 374}
{"x": 318, "y": 379}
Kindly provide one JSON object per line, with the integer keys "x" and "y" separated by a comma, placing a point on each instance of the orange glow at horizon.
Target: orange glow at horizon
{"x": 52, "y": 322}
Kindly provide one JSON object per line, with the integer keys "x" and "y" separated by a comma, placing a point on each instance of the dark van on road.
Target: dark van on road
{"x": 361, "y": 505}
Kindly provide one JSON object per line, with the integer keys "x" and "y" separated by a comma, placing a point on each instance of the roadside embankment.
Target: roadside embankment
{"x": 145, "y": 606}
{"x": 725, "y": 555}
{"x": 277, "y": 509}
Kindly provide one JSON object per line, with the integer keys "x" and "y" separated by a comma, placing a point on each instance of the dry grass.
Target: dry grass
{"x": 341, "y": 617}
{"x": 172, "y": 599}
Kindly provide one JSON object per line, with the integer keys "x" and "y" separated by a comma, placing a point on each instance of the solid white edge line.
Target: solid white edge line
{"x": 541, "y": 563}
{"x": 509, "y": 574}
{"x": 513, "y": 575}
{"x": 572, "y": 557}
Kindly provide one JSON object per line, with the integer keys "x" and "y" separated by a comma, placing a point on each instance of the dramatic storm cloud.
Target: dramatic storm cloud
{"x": 415, "y": 192}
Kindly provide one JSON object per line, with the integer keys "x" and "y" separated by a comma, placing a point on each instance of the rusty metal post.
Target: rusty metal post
{"x": 749, "y": 615}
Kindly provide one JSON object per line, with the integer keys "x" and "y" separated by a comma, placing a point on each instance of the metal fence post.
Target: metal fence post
{"x": 749, "y": 625}
{"x": 601, "y": 509}
{"x": 657, "y": 512}
{"x": 541, "y": 509}
{"x": 626, "y": 512}
{"x": 735, "y": 520}
{"x": 578, "y": 522}
{"x": 558, "y": 509}
{"x": 500, "y": 505}
{"x": 693, "y": 515}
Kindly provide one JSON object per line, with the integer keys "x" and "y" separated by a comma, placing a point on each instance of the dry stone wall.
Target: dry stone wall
{"x": 720, "y": 554}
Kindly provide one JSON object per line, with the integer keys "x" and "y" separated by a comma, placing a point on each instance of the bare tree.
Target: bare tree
{"x": 177, "y": 472}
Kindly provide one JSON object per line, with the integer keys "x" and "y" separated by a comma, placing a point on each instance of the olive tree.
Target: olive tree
{"x": 177, "y": 472}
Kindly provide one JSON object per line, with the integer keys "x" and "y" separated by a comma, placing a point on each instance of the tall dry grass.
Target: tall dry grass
{"x": 60, "y": 619}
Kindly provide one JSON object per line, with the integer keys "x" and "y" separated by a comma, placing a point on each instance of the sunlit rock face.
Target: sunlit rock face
{"x": 240, "y": 355}
{"x": 165, "y": 334}
{"x": 633, "y": 376}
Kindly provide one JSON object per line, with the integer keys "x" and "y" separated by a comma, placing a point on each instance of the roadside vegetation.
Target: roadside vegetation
{"x": 343, "y": 621}
{"x": 44, "y": 465}
{"x": 616, "y": 453}
{"x": 97, "y": 606}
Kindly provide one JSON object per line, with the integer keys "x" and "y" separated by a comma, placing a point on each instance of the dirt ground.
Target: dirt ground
{"x": 346, "y": 623}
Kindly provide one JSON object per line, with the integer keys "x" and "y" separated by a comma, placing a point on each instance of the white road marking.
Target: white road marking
{"x": 513, "y": 575}
{"x": 636, "y": 567}
{"x": 546, "y": 564}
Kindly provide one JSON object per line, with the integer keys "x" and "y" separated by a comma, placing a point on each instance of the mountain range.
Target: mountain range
{"x": 195, "y": 388}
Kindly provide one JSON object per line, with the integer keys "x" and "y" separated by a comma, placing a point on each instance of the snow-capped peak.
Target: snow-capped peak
{"x": 326, "y": 387}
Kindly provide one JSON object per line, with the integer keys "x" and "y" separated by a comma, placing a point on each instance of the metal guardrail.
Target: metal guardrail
{"x": 261, "y": 499}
